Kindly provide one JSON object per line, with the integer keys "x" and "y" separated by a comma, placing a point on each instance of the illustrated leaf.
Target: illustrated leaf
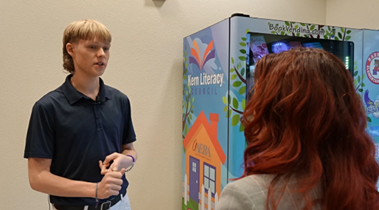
{"x": 282, "y": 33}
{"x": 242, "y": 71}
{"x": 225, "y": 108}
{"x": 186, "y": 129}
{"x": 243, "y": 51}
{"x": 186, "y": 65}
{"x": 233, "y": 76}
{"x": 242, "y": 90}
{"x": 229, "y": 113}
{"x": 184, "y": 77}
{"x": 369, "y": 119}
{"x": 306, "y": 36}
{"x": 190, "y": 116}
{"x": 242, "y": 58}
{"x": 302, "y": 24}
{"x": 347, "y": 38}
{"x": 185, "y": 71}
{"x": 329, "y": 28}
{"x": 312, "y": 27}
{"x": 193, "y": 107}
{"x": 342, "y": 29}
{"x": 243, "y": 104}
{"x": 340, "y": 35}
{"x": 355, "y": 83}
{"x": 193, "y": 99}
{"x": 363, "y": 84}
{"x": 229, "y": 99}
{"x": 235, "y": 120}
{"x": 297, "y": 26}
{"x": 355, "y": 73}
{"x": 243, "y": 39}
{"x": 188, "y": 120}
{"x": 360, "y": 90}
{"x": 273, "y": 32}
{"x": 363, "y": 76}
{"x": 247, "y": 30}
{"x": 185, "y": 104}
{"x": 287, "y": 23}
{"x": 325, "y": 37}
{"x": 242, "y": 128}
{"x": 237, "y": 83}
{"x": 243, "y": 44}
{"x": 359, "y": 79}
{"x": 232, "y": 70}
{"x": 336, "y": 38}
{"x": 348, "y": 31}
{"x": 235, "y": 103}
{"x": 224, "y": 100}
{"x": 238, "y": 65}
{"x": 232, "y": 60}
{"x": 298, "y": 34}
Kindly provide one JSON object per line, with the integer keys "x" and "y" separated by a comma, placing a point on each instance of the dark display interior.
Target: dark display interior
{"x": 261, "y": 44}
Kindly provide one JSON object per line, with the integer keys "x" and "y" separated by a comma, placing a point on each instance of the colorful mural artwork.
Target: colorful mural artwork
{"x": 218, "y": 76}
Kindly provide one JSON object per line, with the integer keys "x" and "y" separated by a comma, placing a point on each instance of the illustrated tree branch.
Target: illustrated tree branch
{"x": 238, "y": 111}
{"x": 357, "y": 87}
{"x": 319, "y": 28}
{"x": 293, "y": 34}
{"x": 239, "y": 75}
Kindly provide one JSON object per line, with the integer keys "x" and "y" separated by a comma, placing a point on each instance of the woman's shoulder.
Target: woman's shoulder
{"x": 252, "y": 183}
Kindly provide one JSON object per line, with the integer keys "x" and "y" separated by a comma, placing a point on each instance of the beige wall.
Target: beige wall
{"x": 146, "y": 64}
{"x": 353, "y": 13}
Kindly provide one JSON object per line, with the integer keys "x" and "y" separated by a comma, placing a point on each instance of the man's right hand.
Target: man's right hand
{"x": 110, "y": 184}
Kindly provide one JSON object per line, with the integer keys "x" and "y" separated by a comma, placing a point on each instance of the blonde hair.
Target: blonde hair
{"x": 82, "y": 29}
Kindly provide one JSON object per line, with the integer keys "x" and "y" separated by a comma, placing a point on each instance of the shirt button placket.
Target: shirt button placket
{"x": 98, "y": 123}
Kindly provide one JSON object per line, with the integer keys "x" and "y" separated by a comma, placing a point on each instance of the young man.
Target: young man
{"x": 80, "y": 137}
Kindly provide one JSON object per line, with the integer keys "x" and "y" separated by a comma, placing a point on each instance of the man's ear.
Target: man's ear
{"x": 70, "y": 48}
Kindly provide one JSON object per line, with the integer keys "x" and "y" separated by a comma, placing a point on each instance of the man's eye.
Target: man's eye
{"x": 92, "y": 47}
{"x": 105, "y": 48}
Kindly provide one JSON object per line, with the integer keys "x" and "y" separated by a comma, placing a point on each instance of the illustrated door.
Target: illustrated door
{"x": 194, "y": 179}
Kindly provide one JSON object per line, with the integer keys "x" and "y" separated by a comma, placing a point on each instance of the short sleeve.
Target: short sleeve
{"x": 233, "y": 198}
{"x": 129, "y": 135}
{"x": 40, "y": 135}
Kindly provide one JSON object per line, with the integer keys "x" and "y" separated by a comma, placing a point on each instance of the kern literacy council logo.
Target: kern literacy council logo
{"x": 372, "y": 67}
{"x": 203, "y": 57}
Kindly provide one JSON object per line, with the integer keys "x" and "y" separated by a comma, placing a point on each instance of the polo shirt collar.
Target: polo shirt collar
{"x": 74, "y": 95}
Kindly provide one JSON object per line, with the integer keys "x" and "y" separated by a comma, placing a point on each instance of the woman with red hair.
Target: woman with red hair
{"x": 307, "y": 147}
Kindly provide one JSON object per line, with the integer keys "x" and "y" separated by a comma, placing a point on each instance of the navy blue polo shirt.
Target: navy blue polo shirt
{"x": 75, "y": 132}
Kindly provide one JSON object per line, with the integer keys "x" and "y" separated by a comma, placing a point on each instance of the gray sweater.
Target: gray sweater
{"x": 250, "y": 193}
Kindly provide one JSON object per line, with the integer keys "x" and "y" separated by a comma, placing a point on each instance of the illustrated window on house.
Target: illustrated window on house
{"x": 194, "y": 167}
{"x": 209, "y": 179}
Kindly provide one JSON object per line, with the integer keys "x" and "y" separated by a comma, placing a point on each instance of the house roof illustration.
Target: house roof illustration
{"x": 211, "y": 129}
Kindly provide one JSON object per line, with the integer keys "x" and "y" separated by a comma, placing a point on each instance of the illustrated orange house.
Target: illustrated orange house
{"x": 204, "y": 156}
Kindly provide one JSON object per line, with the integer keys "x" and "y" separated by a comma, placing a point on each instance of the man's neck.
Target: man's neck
{"x": 89, "y": 86}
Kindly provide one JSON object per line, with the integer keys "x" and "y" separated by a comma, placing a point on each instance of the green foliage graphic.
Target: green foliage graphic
{"x": 311, "y": 31}
{"x": 233, "y": 107}
{"x": 358, "y": 83}
{"x": 188, "y": 99}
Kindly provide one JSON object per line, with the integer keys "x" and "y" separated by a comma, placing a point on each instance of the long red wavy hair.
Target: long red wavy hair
{"x": 305, "y": 119}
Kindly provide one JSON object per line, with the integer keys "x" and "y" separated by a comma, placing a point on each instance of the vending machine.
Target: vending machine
{"x": 218, "y": 71}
